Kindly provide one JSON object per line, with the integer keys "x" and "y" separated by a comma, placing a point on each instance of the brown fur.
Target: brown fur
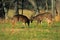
{"x": 42, "y": 16}
{"x": 21, "y": 18}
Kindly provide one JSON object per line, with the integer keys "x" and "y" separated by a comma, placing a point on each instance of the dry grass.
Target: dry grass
{"x": 57, "y": 18}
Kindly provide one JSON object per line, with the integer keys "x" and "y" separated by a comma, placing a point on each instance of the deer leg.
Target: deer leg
{"x": 40, "y": 21}
{"x": 28, "y": 22}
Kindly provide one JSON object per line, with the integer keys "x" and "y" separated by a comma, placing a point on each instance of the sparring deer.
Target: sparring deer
{"x": 39, "y": 17}
{"x": 21, "y": 18}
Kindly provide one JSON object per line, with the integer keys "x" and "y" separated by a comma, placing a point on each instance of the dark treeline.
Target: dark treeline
{"x": 24, "y": 4}
{"x": 2, "y": 13}
{"x": 28, "y": 5}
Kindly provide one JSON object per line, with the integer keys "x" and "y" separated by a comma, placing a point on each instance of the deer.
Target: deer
{"x": 21, "y": 18}
{"x": 49, "y": 18}
{"x": 37, "y": 18}
{"x": 40, "y": 17}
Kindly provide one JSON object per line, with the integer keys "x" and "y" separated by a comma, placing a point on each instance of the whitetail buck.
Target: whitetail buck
{"x": 39, "y": 17}
{"x": 21, "y": 18}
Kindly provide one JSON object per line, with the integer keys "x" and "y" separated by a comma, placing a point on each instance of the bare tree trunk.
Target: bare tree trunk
{"x": 35, "y": 7}
{"x": 22, "y": 5}
{"x": 46, "y": 5}
{"x": 53, "y": 8}
{"x": 2, "y": 12}
{"x": 16, "y": 8}
{"x": 58, "y": 6}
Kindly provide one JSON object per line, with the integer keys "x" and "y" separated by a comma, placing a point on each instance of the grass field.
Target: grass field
{"x": 33, "y": 32}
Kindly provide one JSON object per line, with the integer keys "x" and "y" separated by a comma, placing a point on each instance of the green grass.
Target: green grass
{"x": 33, "y": 32}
